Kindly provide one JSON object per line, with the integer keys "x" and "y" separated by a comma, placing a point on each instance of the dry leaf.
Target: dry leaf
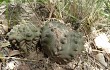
{"x": 101, "y": 59}
{"x": 4, "y": 43}
{"x": 0, "y": 66}
{"x": 3, "y": 29}
{"x": 103, "y": 42}
{"x": 14, "y": 52}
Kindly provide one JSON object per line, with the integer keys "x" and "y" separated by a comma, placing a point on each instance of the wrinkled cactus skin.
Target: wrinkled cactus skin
{"x": 26, "y": 36}
{"x": 73, "y": 46}
{"x": 58, "y": 41}
{"x": 26, "y": 31}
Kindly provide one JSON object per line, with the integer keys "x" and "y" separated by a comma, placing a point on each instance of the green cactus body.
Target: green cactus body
{"x": 25, "y": 31}
{"x": 58, "y": 41}
{"x": 27, "y": 36}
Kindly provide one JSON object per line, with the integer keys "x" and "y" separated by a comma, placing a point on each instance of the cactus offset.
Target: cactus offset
{"x": 25, "y": 31}
{"x": 27, "y": 35}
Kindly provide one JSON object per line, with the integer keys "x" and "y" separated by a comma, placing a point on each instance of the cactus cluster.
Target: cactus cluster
{"x": 58, "y": 41}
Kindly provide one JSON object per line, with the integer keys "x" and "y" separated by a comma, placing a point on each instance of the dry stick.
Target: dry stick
{"x": 16, "y": 59}
{"x": 92, "y": 56}
{"x": 35, "y": 13}
{"x": 76, "y": 65}
{"x": 51, "y": 10}
{"x": 98, "y": 61}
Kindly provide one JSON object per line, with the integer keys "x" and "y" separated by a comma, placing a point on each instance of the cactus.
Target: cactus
{"x": 25, "y": 31}
{"x": 27, "y": 36}
{"x": 58, "y": 41}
